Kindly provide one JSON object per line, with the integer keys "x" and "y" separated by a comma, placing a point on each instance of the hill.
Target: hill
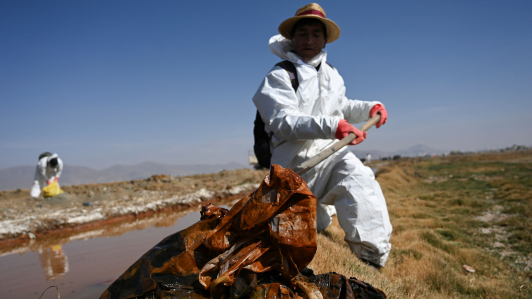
{"x": 21, "y": 177}
{"x": 414, "y": 151}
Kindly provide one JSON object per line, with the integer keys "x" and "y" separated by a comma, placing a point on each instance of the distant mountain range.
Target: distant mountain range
{"x": 414, "y": 151}
{"x": 21, "y": 177}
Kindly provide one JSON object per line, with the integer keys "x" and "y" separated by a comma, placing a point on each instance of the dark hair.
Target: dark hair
{"x": 53, "y": 162}
{"x": 45, "y": 154}
{"x": 308, "y": 21}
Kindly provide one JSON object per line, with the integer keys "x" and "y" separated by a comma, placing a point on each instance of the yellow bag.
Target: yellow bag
{"x": 52, "y": 190}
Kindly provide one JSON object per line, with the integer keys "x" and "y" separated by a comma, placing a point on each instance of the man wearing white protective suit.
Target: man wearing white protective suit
{"x": 302, "y": 123}
{"x": 48, "y": 170}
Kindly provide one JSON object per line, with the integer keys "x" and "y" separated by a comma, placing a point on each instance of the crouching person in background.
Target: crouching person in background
{"x": 48, "y": 171}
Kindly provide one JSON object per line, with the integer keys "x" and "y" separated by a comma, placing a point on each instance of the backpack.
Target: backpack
{"x": 262, "y": 139}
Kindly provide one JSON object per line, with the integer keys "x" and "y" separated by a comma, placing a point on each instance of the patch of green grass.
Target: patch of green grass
{"x": 447, "y": 235}
{"x": 465, "y": 212}
{"x": 421, "y": 216}
{"x": 448, "y": 277}
{"x": 468, "y": 187}
{"x": 515, "y": 209}
{"x": 474, "y": 224}
{"x": 475, "y": 187}
{"x": 456, "y": 202}
{"x": 447, "y": 219}
{"x": 401, "y": 253}
{"x": 426, "y": 197}
{"x": 334, "y": 237}
{"x": 477, "y": 204}
{"x": 436, "y": 242}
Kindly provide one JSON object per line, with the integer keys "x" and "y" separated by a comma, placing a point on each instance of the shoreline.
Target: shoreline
{"x": 84, "y": 207}
{"x": 25, "y": 238}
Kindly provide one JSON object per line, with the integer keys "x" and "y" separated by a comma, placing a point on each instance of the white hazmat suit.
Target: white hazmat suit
{"x": 303, "y": 124}
{"x": 44, "y": 172}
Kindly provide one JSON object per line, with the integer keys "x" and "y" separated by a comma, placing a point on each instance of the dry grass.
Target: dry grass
{"x": 438, "y": 228}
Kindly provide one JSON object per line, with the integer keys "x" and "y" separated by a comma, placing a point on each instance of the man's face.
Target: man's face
{"x": 309, "y": 40}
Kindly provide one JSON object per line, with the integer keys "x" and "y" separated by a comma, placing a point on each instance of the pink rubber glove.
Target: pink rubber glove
{"x": 379, "y": 109}
{"x": 51, "y": 181}
{"x": 344, "y": 128}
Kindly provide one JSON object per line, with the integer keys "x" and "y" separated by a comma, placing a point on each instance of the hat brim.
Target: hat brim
{"x": 333, "y": 31}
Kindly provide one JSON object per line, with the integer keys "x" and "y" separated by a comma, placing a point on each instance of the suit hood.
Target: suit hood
{"x": 281, "y": 47}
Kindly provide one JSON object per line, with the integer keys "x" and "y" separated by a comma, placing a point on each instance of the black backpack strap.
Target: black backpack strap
{"x": 289, "y": 67}
{"x": 262, "y": 139}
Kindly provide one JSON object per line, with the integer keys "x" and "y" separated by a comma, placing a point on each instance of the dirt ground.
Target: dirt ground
{"x": 21, "y": 217}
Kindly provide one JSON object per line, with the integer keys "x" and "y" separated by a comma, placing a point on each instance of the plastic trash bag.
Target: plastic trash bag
{"x": 52, "y": 190}
{"x": 259, "y": 249}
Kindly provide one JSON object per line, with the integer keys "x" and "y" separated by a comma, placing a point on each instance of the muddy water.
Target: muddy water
{"x": 83, "y": 263}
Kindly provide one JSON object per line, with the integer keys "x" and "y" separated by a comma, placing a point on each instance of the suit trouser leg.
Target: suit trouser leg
{"x": 360, "y": 206}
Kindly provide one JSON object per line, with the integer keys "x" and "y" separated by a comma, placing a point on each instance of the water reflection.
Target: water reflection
{"x": 45, "y": 243}
{"x": 84, "y": 262}
{"x": 54, "y": 262}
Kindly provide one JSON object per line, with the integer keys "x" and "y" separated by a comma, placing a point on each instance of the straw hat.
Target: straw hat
{"x": 313, "y": 11}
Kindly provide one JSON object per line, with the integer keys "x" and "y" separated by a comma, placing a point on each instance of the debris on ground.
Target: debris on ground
{"x": 467, "y": 269}
{"x": 258, "y": 249}
{"x": 52, "y": 190}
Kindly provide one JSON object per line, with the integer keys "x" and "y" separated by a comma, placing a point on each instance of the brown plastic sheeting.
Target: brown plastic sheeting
{"x": 258, "y": 249}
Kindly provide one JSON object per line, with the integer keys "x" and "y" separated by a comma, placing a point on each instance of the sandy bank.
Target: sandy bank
{"x": 82, "y": 205}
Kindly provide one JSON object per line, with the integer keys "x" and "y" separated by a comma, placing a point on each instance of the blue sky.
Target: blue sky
{"x": 122, "y": 82}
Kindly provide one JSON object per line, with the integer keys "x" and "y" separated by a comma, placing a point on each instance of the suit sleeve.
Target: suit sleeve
{"x": 278, "y": 104}
{"x": 59, "y": 167}
{"x": 42, "y": 167}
